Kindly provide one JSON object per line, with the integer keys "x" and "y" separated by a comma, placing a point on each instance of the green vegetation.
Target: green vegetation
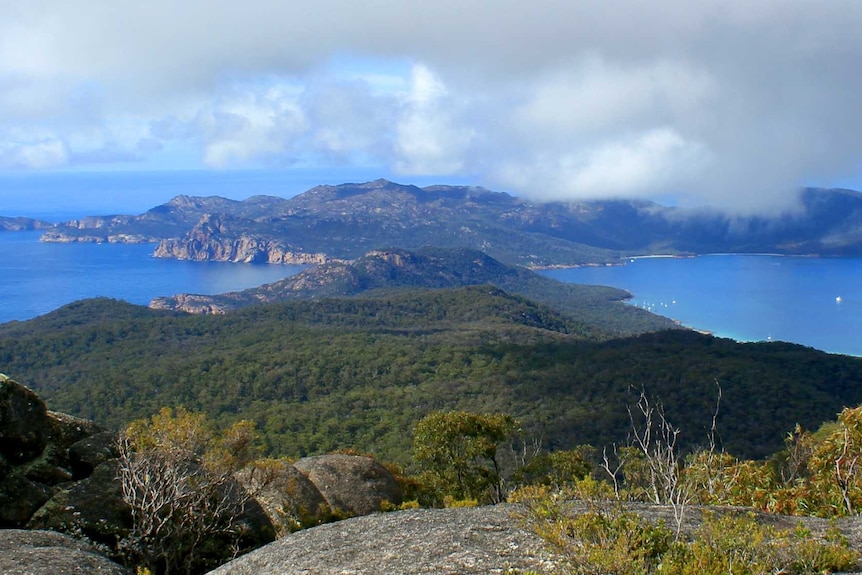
{"x": 472, "y": 391}
{"x": 361, "y": 373}
{"x": 815, "y": 474}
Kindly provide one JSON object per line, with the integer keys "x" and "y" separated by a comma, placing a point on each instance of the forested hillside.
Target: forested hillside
{"x": 598, "y": 311}
{"x": 359, "y": 373}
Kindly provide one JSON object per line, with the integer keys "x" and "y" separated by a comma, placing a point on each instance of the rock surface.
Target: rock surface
{"x": 214, "y": 238}
{"x": 25, "y": 552}
{"x": 467, "y": 541}
{"x": 88, "y": 453}
{"x": 92, "y": 507}
{"x": 20, "y": 224}
{"x": 20, "y": 498}
{"x": 24, "y": 425}
{"x": 351, "y": 484}
{"x": 34, "y": 452}
{"x": 288, "y": 497}
{"x": 66, "y": 430}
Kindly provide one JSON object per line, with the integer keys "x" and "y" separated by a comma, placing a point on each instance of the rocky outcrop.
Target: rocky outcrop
{"x": 465, "y": 541}
{"x": 351, "y": 484}
{"x": 244, "y": 249}
{"x": 20, "y": 498}
{"x": 60, "y": 237}
{"x": 88, "y": 453}
{"x": 24, "y": 426}
{"x": 92, "y": 507}
{"x": 65, "y": 430}
{"x": 347, "y": 220}
{"x": 60, "y": 473}
{"x": 35, "y": 448}
{"x": 471, "y": 541}
{"x": 196, "y": 304}
{"x": 34, "y": 452}
{"x": 99, "y": 229}
{"x": 24, "y": 552}
{"x": 213, "y": 239}
{"x": 289, "y": 498}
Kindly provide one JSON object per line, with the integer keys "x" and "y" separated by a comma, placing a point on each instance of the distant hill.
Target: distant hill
{"x": 346, "y": 221}
{"x": 22, "y": 224}
{"x": 169, "y": 220}
{"x": 360, "y": 372}
{"x": 597, "y": 309}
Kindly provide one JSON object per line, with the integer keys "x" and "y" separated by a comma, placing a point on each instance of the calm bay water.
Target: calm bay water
{"x": 36, "y": 278}
{"x": 812, "y": 301}
{"x": 747, "y": 298}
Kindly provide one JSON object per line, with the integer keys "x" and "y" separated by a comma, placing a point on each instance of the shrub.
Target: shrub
{"x": 613, "y": 540}
{"x": 176, "y": 474}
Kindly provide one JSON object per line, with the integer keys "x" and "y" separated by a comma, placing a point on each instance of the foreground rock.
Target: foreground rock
{"x": 34, "y": 451}
{"x": 289, "y": 498}
{"x": 47, "y": 553}
{"x": 351, "y": 484}
{"x": 23, "y": 422}
{"x": 93, "y": 507}
{"x": 479, "y": 540}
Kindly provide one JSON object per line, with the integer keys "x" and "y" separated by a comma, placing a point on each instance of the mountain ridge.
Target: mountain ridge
{"x": 345, "y": 221}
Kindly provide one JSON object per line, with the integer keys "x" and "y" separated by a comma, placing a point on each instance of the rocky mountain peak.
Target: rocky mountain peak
{"x": 183, "y": 201}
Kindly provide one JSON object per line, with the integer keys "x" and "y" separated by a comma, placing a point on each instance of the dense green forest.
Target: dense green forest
{"x": 359, "y": 373}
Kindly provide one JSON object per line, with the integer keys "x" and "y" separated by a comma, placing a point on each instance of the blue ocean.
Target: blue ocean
{"x": 37, "y": 277}
{"x": 815, "y": 302}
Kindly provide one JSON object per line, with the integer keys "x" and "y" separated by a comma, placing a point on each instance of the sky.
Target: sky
{"x": 735, "y": 104}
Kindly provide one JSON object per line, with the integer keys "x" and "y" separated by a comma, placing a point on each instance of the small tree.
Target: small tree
{"x": 458, "y": 450}
{"x": 176, "y": 475}
{"x": 652, "y": 465}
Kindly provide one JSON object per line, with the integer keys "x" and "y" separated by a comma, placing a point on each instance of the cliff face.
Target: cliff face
{"x": 245, "y": 249}
{"x": 213, "y": 239}
{"x": 99, "y": 229}
{"x": 170, "y": 220}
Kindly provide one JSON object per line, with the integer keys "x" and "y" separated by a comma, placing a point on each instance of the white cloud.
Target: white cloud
{"x": 593, "y": 96}
{"x": 731, "y": 102}
{"x": 249, "y": 126}
{"x": 429, "y": 138}
{"x": 640, "y": 165}
{"x": 33, "y": 154}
